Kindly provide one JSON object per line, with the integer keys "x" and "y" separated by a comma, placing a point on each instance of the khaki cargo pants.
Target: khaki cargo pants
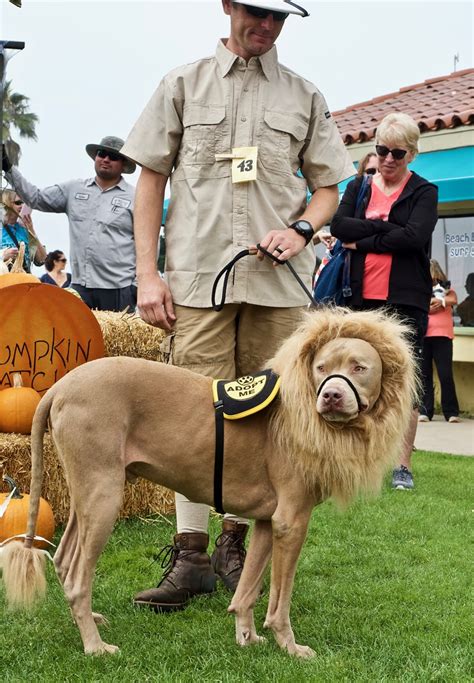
{"x": 238, "y": 340}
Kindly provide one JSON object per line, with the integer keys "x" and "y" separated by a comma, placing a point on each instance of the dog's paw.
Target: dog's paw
{"x": 247, "y": 637}
{"x": 102, "y": 649}
{"x": 302, "y": 651}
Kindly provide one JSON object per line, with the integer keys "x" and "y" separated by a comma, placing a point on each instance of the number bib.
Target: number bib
{"x": 244, "y": 164}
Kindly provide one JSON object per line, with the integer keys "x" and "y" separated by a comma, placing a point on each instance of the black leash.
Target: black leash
{"x": 218, "y": 405}
{"x": 356, "y": 393}
{"x": 225, "y": 272}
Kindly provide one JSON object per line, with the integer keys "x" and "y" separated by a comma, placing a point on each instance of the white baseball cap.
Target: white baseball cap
{"x": 279, "y": 6}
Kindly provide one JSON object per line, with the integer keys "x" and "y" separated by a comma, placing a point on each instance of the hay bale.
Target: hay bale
{"x": 125, "y": 334}
{"x": 140, "y": 499}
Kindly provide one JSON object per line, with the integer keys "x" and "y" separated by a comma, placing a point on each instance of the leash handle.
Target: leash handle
{"x": 225, "y": 272}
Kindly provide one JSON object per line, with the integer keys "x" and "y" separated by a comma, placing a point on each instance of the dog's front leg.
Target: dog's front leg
{"x": 250, "y": 582}
{"x": 289, "y": 532}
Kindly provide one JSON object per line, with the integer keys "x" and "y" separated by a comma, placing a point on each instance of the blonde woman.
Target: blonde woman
{"x": 16, "y": 228}
{"x": 389, "y": 237}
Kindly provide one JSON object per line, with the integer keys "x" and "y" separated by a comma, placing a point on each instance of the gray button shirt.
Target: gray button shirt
{"x": 102, "y": 249}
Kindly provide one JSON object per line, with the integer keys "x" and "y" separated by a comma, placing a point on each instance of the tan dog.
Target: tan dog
{"x": 121, "y": 418}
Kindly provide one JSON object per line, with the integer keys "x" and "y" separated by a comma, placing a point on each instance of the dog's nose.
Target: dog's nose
{"x": 331, "y": 394}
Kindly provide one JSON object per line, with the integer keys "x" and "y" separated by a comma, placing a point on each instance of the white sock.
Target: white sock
{"x": 191, "y": 517}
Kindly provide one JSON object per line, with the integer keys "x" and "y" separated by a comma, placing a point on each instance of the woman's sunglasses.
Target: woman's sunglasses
{"x": 62, "y": 259}
{"x": 18, "y": 202}
{"x": 104, "y": 153}
{"x": 371, "y": 171}
{"x": 261, "y": 13}
{"x": 383, "y": 151}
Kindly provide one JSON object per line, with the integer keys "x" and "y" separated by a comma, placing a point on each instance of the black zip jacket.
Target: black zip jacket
{"x": 406, "y": 235}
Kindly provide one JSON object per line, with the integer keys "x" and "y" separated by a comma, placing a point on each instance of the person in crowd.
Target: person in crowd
{"x": 17, "y": 226}
{"x": 438, "y": 348}
{"x": 100, "y": 213}
{"x": 390, "y": 239}
{"x": 368, "y": 164}
{"x": 192, "y": 131}
{"x": 55, "y": 263}
{"x": 465, "y": 310}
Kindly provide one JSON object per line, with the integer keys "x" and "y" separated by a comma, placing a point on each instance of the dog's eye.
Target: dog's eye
{"x": 359, "y": 368}
{"x": 320, "y": 368}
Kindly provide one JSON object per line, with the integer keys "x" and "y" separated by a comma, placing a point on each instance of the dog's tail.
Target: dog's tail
{"x": 24, "y": 566}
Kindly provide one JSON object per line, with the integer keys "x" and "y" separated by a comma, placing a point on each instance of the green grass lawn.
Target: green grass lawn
{"x": 382, "y": 593}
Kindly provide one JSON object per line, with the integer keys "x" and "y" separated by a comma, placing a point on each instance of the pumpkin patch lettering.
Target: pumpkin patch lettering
{"x": 44, "y": 333}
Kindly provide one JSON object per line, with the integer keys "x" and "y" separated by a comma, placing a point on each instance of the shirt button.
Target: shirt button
{"x": 246, "y": 89}
{"x": 243, "y": 119}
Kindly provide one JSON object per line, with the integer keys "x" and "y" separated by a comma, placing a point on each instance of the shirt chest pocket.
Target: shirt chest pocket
{"x": 114, "y": 218}
{"x": 203, "y": 133}
{"x": 282, "y": 139}
{"x": 80, "y": 209}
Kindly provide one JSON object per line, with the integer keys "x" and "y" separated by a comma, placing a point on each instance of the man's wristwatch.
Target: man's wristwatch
{"x": 303, "y": 228}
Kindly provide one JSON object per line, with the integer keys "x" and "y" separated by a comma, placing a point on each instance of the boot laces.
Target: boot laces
{"x": 168, "y": 557}
{"x": 233, "y": 543}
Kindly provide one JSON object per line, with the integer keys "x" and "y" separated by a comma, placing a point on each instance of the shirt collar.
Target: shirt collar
{"x": 122, "y": 184}
{"x": 226, "y": 59}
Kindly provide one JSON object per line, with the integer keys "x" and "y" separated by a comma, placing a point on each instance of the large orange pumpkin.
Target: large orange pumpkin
{"x": 44, "y": 333}
{"x": 17, "y": 407}
{"x": 14, "y": 518}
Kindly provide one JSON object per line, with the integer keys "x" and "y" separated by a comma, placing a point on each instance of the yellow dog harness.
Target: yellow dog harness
{"x": 234, "y": 400}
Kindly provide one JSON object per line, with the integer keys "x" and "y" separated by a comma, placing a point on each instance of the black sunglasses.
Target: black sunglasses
{"x": 371, "y": 171}
{"x": 18, "y": 202}
{"x": 262, "y": 13}
{"x": 383, "y": 151}
{"x": 104, "y": 153}
{"x": 62, "y": 259}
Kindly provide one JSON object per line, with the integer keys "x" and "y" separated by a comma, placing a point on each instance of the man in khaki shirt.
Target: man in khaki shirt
{"x": 231, "y": 133}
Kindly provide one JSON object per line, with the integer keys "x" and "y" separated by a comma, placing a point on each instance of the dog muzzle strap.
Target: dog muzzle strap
{"x": 346, "y": 379}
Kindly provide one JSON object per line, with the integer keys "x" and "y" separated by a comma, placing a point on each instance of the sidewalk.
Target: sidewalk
{"x": 444, "y": 437}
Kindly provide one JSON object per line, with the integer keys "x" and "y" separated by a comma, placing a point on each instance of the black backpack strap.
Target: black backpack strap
{"x": 364, "y": 186}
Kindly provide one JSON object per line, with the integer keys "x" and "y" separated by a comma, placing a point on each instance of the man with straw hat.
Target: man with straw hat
{"x": 100, "y": 213}
{"x": 231, "y": 132}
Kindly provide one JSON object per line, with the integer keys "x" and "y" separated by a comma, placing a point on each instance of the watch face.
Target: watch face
{"x": 303, "y": 228}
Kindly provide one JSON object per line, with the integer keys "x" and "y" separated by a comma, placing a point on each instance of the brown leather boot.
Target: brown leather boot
{"x": 229, "y": 554}
{"x": 187, "y": 572}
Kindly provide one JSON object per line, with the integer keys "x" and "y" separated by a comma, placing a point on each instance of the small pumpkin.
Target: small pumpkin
{"x": 17, "y": 275}
{"x": 14, "y": 517}
{"x": 17, "y": 407}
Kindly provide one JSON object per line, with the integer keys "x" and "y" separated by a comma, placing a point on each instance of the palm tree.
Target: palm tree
{"x": 16, "y": 115}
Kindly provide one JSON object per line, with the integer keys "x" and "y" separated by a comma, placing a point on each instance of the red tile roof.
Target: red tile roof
{"x": 443, "y": 102}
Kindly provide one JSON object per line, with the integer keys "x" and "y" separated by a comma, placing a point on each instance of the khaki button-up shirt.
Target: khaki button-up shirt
{"x": 102, "y": 249}
{"x": 206, "y": 109}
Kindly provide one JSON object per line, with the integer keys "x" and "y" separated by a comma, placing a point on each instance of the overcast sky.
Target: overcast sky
{"x": 89, "y": 67}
